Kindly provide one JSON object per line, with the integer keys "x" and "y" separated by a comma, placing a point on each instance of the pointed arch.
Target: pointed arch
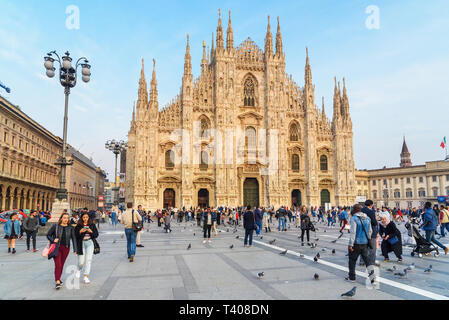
{"x": 249, "y": 91}
{"x": 294, "y": 132}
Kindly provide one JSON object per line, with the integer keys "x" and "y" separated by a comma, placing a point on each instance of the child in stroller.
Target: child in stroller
{"x": 423, "y": 247}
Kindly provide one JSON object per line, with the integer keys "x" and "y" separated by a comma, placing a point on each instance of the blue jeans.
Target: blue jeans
{"x": 282, "y": 222}
{"x": 248, "y": 234}
{"x": 259, "y": 226}
{"x": 131, "y": 242}
{"x": 114, "y": 220}
{"x": 444, "y": 226}
{"x": 430, "y": 236}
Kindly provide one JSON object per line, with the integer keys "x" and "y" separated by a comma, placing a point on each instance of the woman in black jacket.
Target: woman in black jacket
{"x": 61, "y": 234}
{"x": 86, "y": 233}
{"x": 392, "y": 240}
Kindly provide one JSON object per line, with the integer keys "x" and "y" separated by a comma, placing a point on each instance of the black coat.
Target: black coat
{"x": 69, "y": 234}
{"x": 305, "y": 222}
{"x": 392, "y": 231}
{"x": 79, "y": 236}
{"x": 249, "y": 220}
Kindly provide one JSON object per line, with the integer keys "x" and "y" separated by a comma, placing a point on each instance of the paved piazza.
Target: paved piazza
{"x": 165, "y": 269}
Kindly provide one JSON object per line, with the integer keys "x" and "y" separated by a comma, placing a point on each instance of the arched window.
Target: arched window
{"x": 295, "y": 162}
{"x": 204, "y": 133}
{"x": 294, "y": 132}
{"x": 249, "y": 92}
{"x": 250, "y": 143}
{"x": 203, "y": 160}
{"x": 169, "y": 157}
{"x": 323, "y": 163}
{"x": 250, "y": 139}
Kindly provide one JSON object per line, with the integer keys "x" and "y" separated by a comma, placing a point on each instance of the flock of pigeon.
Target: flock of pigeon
{"x": 351, "y": 293}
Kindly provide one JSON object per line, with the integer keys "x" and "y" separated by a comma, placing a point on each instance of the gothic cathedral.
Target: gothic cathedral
{"x": 242, "y": 133}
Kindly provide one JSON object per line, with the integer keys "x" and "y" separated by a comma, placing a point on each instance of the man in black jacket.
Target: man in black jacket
{"x": 368, "y": 210}
{"x": 249, "y": 225}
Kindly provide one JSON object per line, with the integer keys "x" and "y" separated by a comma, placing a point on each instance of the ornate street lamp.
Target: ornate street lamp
{"x": 116, "y": 147}
{"x": 67, "y": 78}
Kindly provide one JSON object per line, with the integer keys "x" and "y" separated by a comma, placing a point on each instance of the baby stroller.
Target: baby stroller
{"x": 422, "y": 245}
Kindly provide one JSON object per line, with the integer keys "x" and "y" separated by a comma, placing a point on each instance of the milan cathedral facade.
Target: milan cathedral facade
{"x": 242, "y": 133}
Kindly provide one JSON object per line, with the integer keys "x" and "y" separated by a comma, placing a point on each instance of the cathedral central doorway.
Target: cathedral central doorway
{"x": 325, "y": 197}
{"x": 251, "y": 192}
{"x": 203, "y": 198}
{"x": 296, "y": 198}
{"x": 169, "y": 198}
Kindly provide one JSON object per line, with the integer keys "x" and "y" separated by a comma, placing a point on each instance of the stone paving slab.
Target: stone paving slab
{"x": 165, "y": 269}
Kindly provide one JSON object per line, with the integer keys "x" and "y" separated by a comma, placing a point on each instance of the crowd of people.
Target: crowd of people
{"x": 364, "y": 223}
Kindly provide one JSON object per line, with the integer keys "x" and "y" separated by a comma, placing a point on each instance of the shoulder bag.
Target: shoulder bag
{"x": 136, "y": 226}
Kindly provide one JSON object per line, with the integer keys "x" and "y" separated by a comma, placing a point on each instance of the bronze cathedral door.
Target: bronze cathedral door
{"x": 251, "y": 192}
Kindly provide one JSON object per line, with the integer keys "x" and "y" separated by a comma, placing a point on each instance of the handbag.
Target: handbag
{"x": 393, "y": 240}
{"x": 96, "y": 246}
{"x": 136, "y": 226}
{"x": 50, "y": 248}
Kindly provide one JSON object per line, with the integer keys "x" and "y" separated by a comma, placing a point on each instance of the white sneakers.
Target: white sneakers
{"x": 86, "y": 280}
{"x": 204, "y": 241}
{"x": 209, "y": 241}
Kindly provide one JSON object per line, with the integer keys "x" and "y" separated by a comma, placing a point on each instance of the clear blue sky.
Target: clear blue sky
{"x": 397, "y": 76}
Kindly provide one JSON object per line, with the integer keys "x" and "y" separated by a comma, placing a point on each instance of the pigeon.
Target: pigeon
{"x": 324, "y": 250}
{"x": 333, "y": 251}
{"x": 283, "y": 252}
{"x": 272, "y": 241}
{"x": 429, "y": 269}
{"x": 334, "y": 241}
{"x": 301, "y": 256}
{"x": 194, "y": 234}
{"x": 401, "y": 274}
{"x": 350, "y": 293}
{"x": 316, "y": 276}
{"x": 260, "y": 275}
{"x": 148, "y": 230}
{"x": 411, "y": 267}
{"x": 317, "y": 239}
{"x": 237, "y": 237}
{"x": 232, "y": 246}
{"x": 324, "y": 230}
{"x": 392, "y": 269}
{"x": 190, "y": 246}
{"x": 261, "y": 237}
{"x": 318, "y": 255}
{"x": 114, "y": 241}
{"x": 315, "y": 259}
{"x": 227, "y": 230}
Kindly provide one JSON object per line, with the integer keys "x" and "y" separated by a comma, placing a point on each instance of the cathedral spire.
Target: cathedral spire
{"x": 187, "y": 60}
{"x": 308, "y": 70}
{"x": 153, "y": 89}
{"x": 220, "y": 40}
{"x": 268, "y": 41}
{"x": 279, "y": 42}
{"x": 205, "y": 60}
{"x": 345, "y": 101}
{"x": 336, "y": 100}
{"x": 143, "y": 91}
{"x": 230, "y": 35}
{"x": 212, "y": 49}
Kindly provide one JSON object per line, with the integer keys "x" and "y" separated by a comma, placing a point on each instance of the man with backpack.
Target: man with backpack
{"x": 360, "y": 234}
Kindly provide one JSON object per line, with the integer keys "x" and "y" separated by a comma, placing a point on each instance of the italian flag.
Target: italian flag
{"x": 443, "y": 143}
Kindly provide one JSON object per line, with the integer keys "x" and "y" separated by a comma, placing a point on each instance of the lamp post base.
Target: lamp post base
{"x": 58, "y": 208}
